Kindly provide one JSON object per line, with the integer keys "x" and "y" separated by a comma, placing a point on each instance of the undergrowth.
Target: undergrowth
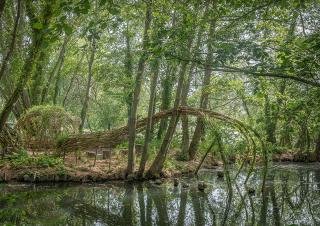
{"x": 21, "y": 159}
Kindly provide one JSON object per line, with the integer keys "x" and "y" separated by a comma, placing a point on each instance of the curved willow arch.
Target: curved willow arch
{"x": 114, "y": 137}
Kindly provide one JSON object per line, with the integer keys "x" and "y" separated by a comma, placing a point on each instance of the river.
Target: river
{"x": 291, "y": 197}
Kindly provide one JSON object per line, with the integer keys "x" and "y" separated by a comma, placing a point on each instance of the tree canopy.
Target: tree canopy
{"x": 113, "y": 62}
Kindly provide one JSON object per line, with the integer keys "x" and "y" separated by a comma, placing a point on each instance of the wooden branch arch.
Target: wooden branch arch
{"x": 114, "y": 137}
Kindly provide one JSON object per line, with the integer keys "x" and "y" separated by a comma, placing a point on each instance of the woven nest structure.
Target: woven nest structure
{"x": 10, "y": 140}
{"x": 114, "y": 137}
{"x": 41, "y": 126}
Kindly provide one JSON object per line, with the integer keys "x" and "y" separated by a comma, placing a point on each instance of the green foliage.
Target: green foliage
{"x": 61, "y": 138}
{"x": 251, "y": 40}
{"x": 23, "y": 160}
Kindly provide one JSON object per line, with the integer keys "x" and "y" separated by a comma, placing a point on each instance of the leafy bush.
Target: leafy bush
{"x": 22, "y": 159}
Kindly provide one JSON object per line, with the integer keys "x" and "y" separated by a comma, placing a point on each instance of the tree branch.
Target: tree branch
{"x": 224, "y": 68}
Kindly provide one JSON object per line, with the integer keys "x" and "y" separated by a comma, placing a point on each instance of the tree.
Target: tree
{"x": 39, "y": 24}
{"x": 13, "y": 40}
{"x": 88, "y": 87}
{"x": 204, "y": 94}
{"x": 137, "y": 90}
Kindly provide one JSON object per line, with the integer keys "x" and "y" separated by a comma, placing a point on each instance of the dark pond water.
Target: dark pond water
{"x": 291, "y": 197}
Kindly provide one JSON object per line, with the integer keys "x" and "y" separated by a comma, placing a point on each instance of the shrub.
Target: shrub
{"x": 21, "y": 159}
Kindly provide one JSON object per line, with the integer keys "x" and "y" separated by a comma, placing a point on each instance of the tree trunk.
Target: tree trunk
{"x": 136, "y": 95}
{"x": 204, "y": 94}
{"x": 269, "y": 121}
{"x": 157, "y": 164}
{"x": 167, "y": 85}
{"x": 302, "y": 142}
{"x": 7, "y": 58}
{"x": 87, "y": 95}
{"x": 184, "y": 97}
{"x": 58, "y": 78}
{"x": 54, "y": 72}
{"x": 129, "y": 71}
{"x": 25, "y": 99}
{"x": 272, "y": 114}
{"x": 245, "y": 105}
{"x": 153, "y": 91}
{"x": 285, "y": 138}
{"x": 76, "y": 70}
{"x": 28, "y": 67}
{"x": 38, "y": 78}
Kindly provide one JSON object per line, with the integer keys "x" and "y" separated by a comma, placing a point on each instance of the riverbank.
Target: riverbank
{"x": 84, "y": 169}
{"x": 88, "y": 169}
{"x": 295, "y": 156}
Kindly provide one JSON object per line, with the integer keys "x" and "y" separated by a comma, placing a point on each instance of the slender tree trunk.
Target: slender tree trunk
{"x": 58, "y": 78}
{"x": 136, "y": 95}
{"x": 245, "y": 105}
{"x": 167, "y": 86}
{"x": 153, "y": 91}
{"x": 186, "y": 88}
{"x": 7, "y": 58}
{"x": 302, "y": 142}
{"x": 54, "y": 72}
{"x": 272, "y": 115}
{"x": 86, "y": 99}
{"x": 129, "y": 70}
{"x": 204, "y": 94}
{"x": 269, "y": 122}
{"x": 285, "y": 138}
{"x": 76, "y": 70}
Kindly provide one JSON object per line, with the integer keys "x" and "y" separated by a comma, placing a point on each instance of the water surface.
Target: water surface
{"x": 291, "y": 197}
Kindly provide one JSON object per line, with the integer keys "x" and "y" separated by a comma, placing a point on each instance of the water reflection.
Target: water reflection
{"x": 291, "y": 195}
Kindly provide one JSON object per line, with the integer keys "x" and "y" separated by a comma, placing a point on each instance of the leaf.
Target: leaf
{"x": 37, "y": 26}
{"x": 82, "y": 7}
{"x": 102, "y": 2}
{"x": 67, "y": 29}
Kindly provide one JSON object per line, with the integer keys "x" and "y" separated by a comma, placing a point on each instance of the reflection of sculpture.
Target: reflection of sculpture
{"x": 289, "y": 196}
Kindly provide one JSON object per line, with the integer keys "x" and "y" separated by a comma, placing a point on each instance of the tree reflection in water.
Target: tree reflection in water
{"x": 290, "y": 196}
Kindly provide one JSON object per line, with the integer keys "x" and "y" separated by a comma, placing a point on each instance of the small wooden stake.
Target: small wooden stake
{"x": 95, "y": 157}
